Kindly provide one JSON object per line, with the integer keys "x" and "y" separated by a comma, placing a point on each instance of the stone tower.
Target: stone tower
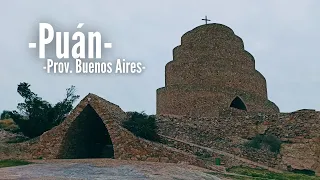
{"x": 212, "y": 73}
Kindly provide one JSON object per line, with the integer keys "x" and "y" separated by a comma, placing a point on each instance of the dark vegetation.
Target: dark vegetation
{"x": 203, "y": 155}
{"x": 142, "y": 125}
{"x": 17, "y": 139}
{"x": 304, "y": 171}
{"x": 35, "y": 115}
{"x": 301, "y": 171}
{"x": 10, "y": 163}
{"x": 5, "y": 115}
{"x": 271, "y": 142}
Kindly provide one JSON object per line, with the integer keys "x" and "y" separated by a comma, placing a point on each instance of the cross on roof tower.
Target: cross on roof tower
{"x": 206, "y": 19}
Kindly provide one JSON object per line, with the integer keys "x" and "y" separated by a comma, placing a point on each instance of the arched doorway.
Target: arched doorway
{"x": 87, "y": 137}
{"x": 238, "y": 104}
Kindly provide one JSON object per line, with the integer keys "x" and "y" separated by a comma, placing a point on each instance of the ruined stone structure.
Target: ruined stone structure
{"x": 94, "y": 130}
{"x": 298, "y": 131}
{"x": 210, "y": 73}
{"x": 214, "y": 101}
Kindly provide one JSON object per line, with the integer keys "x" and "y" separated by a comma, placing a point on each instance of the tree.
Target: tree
{"x": 36, "y": 116}
{"x": 143, "y": 126}
{"x": 5, "y": 115}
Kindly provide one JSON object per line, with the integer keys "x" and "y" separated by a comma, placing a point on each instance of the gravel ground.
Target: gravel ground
{"x": 107, "y": 169}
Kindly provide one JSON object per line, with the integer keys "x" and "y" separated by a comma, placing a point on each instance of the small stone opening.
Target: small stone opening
{"x": 87, "y": 137}
{"x": 238, "y": 104}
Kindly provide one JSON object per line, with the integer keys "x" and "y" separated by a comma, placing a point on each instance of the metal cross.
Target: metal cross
{"x": 206, "y": 19}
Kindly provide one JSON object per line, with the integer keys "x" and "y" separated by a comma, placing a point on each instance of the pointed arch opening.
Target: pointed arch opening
{"x": 87, "y": 137}
{"x": 238, "y": 104}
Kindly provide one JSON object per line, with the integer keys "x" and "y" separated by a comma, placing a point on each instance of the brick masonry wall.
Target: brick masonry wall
{"x": 299, "y": 132}
{"x": 209, "y": 69}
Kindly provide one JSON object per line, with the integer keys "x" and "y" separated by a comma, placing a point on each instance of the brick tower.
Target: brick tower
{"x": 210, "y": 73}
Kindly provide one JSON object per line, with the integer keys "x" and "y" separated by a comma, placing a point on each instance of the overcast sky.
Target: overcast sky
{"x": 283, "y": 36}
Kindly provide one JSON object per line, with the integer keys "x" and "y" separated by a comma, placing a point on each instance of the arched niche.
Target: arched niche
{"x": 238, "y": 104}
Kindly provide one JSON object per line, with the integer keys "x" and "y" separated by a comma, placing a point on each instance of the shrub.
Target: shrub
{"x": 271, "y": 141}
{"x": 142, "y": 125}
{"x": 8, "y": 125}
{"x": 255, "y": 142}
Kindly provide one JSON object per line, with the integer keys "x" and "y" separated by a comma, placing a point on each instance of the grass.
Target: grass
{"x": 245, "y": 173}
{"x": 11, "y": 162}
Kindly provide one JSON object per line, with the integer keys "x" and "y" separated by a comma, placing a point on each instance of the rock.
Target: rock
{"x": 302, "y": 156}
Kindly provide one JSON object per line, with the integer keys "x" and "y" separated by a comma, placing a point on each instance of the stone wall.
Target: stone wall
{"x": 126, "y": 146}
{"x": 298, "y": 130}
{"x": 227, "y": 160}
{"x": 208, "y": 71}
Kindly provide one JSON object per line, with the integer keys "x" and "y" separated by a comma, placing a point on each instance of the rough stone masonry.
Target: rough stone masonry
{"x": 214, "y": 97}
{"x": 210, "y": 73}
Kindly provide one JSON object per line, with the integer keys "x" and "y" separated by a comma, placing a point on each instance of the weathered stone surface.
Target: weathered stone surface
{"x": 209, "y": 70}
{"x": 226, "y": 159}
{"x": 302, "y": 156}
{"x": 299, "y": 132}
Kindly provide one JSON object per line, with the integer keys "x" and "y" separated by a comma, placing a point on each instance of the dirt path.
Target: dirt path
{"x": 107, "y": 169}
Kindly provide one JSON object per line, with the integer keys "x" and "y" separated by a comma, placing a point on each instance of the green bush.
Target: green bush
{"x": 255, "y": 142}
{"x": 271, "y": 141}
{"x": 142, "y": 125}
{"x": 8, "y": 125}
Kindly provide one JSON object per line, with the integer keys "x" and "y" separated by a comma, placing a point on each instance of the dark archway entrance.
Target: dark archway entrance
{"x": 87, "y": 137}
{"x": 238, "y": 104}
